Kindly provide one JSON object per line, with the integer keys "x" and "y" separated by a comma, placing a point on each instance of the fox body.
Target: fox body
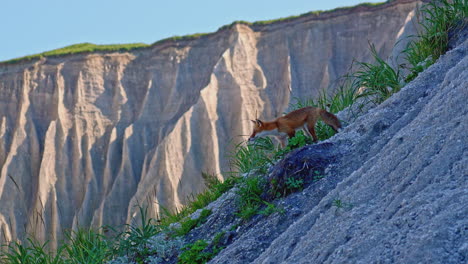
{"x": 287, "y": 125}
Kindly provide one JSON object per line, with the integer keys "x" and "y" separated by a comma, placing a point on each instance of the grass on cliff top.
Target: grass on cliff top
{"x": 319, "y": 12}
{"x": 89, "y": 47}
{"x": 289, "y": 18}
{"x": 79, "y": 48}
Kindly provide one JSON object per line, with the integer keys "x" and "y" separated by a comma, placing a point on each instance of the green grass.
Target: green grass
{"x": 201, "y": 251}
{"x": 84, "y": 246}
{"x": 253, "y": 157}
{"x": 181, "y": 38}
{"x": 290, "y": 18}
{"x": 195, "y": 253}
{"x": 135, "y": 236}
{"x": 188, "y": 224}
{"x": 79, "y": 48}
{"x": 315, "y": 13}
{"x": 215, "y": 188}
{"x": 437, "y": 18}
{"x": 339, "y": 204}
{"x": 378, "y": 80}
{"x": 30, "y": 252}
{"x": 250, "y": 200}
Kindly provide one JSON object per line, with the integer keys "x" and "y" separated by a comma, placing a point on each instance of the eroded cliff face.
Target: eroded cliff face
{"x": 86, "y": 138}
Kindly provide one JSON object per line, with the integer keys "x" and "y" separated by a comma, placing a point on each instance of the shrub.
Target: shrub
{"x": 377, "y": 80}
{"x": 189, "y": 223}
{"x": 215, "y": 188}
{"x": 256, "y": 156}
{"x": 86, "y": 246}
{"x": 436, "y": 18}
{"x": 250, "y": 200}
{"x": 32, "y": 252}
{"x": 195, "y": 253}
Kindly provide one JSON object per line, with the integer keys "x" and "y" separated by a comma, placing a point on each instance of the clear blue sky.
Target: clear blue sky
{"x": 33, "y": 26}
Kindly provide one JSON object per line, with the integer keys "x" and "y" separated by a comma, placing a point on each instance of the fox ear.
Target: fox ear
{"x": 260, "y": 123}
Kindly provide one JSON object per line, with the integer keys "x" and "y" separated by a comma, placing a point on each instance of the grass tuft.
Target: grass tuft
{"x": 86, "y": 246}
{"x": 253, "y": 157}
{"x": 436, "y": 18}
{"x": 215, "y": 188}
{"x": 188, "y": 224}
{"x": 195, "y": 253}
{"x": 377, "y": 80}
{"x": 250, "y": 199}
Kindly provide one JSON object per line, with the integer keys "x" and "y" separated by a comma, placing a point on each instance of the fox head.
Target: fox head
{"x": 258, "y": 127}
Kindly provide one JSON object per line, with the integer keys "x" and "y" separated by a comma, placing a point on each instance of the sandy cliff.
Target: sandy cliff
{"x": 85, "y": 138}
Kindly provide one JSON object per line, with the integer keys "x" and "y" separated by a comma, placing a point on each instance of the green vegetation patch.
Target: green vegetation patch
{"x": 201, "y": 251}
{"x": 437, "y": 19}
{"x": 196, "y": 253}
{"x": 80, "y": 48}
{"x": 215, "y": 188}
{"x": 189, "y": 223}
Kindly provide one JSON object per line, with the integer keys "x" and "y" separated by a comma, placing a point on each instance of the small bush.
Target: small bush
{"x": 133, "y": 242}
{"x": 195, "y": 253}
{"x": 256, "y": 156}
{"x": 270, "y": 209}
{"x": 293, "y": 184}
{"x": 437, "y": 18}
{"x": 32, "y": 252}
{"x": 377, "y": 80}
{"x": 250, "y": 197}
{"x": 189, "y": 223}
{"x": 87, "y": 246}
{"x": 215, "y": 188}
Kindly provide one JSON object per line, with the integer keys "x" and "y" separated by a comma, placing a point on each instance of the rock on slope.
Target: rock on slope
{"x": 398, "y": 192}
{"x": 84, "y": 138}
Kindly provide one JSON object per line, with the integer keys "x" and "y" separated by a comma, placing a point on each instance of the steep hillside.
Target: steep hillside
{"x": 398, "y": 190}
{"x": 84, "y": 138}
{"x": 393, "y": 187}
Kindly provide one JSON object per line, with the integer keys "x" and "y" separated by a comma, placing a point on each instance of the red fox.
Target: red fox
{"x": 286, "y": 126}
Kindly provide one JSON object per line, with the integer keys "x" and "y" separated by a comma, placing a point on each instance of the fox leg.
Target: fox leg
{"x": 306, "y": 131}
{"x": 284, "y": 137}
{"x": 283, "y": 141}
{"x": 311, "y": 128}
{"x": 292, "y": 133}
